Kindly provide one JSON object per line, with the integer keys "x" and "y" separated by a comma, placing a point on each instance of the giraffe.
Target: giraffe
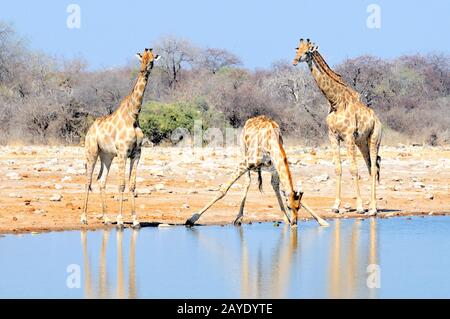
{"x": 262, "y": 147}
{"x": 118, "y": 135}
{"x": 349, "y": 121}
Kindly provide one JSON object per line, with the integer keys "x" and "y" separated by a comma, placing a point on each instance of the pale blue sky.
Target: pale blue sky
{"x": 260, "y": 32}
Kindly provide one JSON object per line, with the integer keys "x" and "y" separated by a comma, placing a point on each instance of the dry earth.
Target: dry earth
{"x": 42, "y": 188}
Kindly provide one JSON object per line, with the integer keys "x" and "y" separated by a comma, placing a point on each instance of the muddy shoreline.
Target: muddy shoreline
{"x": 42, "y": 188}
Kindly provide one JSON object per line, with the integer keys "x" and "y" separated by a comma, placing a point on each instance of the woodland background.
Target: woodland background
{"x": 49, "y": 100}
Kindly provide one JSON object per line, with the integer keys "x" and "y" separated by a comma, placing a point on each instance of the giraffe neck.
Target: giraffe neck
{"x": 133, "y": 107}
{"x": 330, "y": 83}
{"x": 282, "y": 166}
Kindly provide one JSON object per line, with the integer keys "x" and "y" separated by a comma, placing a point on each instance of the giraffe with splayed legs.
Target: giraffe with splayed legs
{"x": 118, "y": 135}
{"x": 262, "y": 147}
{"x": 349, "y": 121}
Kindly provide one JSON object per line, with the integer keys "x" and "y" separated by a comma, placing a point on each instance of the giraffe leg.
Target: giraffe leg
{"x": 351, "y": 155}
{"x": 132, "y": 186}
{"x": 275, "y": 181}
{"x": 106, "y": 161}
{"x": 122, "y": 160}
{"x": 241, "y": 170}
{"x": 90, "y": 164}
{"x": 374, "y": 147}
{"x": 335, "y": 145}
{"x": 238, "y": 219}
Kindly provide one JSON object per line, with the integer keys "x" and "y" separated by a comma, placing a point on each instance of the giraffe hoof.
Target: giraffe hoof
{"x": 238, "y": 222}
{"x": 371, "y": 212}
{"x": 323, "y": 223}
{"x": 191, "y": 221}
{"x": 294, "y": 225}
{"x": 360, "y": 211}
{"x": 136, "y": 224}
{"x": 83, "y": 220}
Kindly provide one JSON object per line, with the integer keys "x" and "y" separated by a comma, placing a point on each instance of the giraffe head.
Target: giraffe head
{"x": 147, "y": 58}
{"x": 294, "y": 200}
{"x": 304, "y": 51}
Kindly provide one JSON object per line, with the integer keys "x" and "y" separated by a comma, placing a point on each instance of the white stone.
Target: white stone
{"x": 321, "y": 178}
{"x": 14, "y": 176}
{"x": 56, "y": 198}
{"x": 66, "y": 179}
{"x": 419, "y": 185}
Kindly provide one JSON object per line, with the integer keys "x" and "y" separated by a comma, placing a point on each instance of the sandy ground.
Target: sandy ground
{"x": 42, "y": 188}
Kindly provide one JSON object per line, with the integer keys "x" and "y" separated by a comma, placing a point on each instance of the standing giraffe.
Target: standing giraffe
{"x": 349, "y": 120}
{"x": 262, "y": 146}
{"x": 118, "y": 135}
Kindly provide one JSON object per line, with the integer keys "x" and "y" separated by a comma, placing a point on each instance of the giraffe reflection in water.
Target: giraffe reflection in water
{"x": 349, "y": 255}
{"x": 247, "y": 262}
{"x": 103, "y": 288}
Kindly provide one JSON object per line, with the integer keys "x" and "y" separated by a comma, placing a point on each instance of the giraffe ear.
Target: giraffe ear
{"x": 157, "y": 57}
{"x": 139, "y": 56}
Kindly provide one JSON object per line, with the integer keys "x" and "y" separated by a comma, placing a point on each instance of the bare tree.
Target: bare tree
{"x": 215, "y": 59}
{"x": 175, "y": 54}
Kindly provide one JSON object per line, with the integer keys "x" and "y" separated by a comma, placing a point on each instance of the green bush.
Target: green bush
{"x": 159, "y": 120}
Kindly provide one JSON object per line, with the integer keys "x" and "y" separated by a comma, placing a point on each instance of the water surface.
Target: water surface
{"x": 412, "y": 258}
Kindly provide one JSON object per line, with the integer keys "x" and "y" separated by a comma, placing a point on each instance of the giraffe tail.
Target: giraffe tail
{"x": 378, "y": 167}
{"x": 100, "y": 173}
{"x": 260, "y": 185}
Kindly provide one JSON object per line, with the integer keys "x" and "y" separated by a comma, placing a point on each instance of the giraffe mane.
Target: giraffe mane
{"x": 332, "y": 74}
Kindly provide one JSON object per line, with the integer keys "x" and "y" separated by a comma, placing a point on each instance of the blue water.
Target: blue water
{"x": 411, "y": 258}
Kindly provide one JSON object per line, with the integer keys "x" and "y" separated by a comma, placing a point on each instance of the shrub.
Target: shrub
{"x": 159, "y": 120}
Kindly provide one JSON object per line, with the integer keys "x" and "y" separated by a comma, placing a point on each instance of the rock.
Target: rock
{"x": 159, "y": 187}
{"x": 140, "y": 179}
{"x": 66, "y": 179}
{"x": 71, "y": 171}
{"x": 145, "y": 191}
{"x": 117, "y": 197}
{"x": 14, "y": 195}
{"x": 347, "y": 207}
{"x": 159, "y": 173}
{"x": 192, "y": 191}
{"x": 56, "y": 198}
{"x": 429, "y": 196}
{"x": 389, "y": 215}
{"x": 185, "y": 206}
{"x": 14, "y": 176}
{"x": 40, "y": 211}
{"x": 164, "y": 225}
{"x": 321, "y": 178}
{"x": 58, "y": 186}
{"x": 419, "y": 185}
{"x": 396, "y": 188}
